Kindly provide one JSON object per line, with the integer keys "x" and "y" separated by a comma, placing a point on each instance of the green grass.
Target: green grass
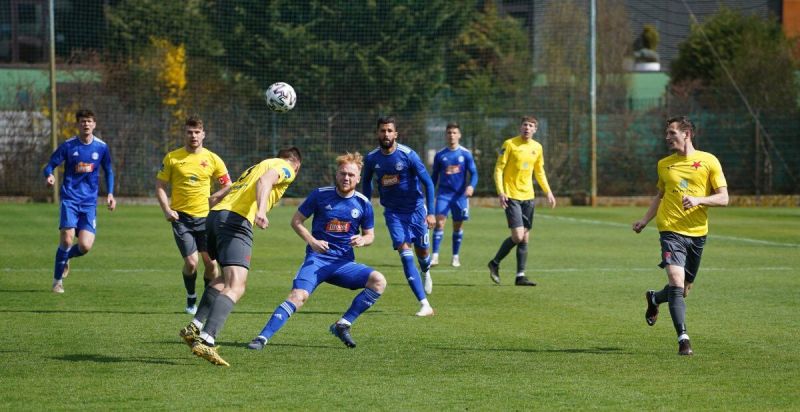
{"x": 577, "y": 341}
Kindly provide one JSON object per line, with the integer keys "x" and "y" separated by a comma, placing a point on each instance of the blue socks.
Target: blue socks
{"x": 412, "y": 275}
{"x": 74, "y": 251}
{"x": 62, "y": 256}
{"x": 424, "y": 263}
{"x": 438, "y": 235}
{"x": 457, "y": 238}
{"x": 361, "y": 303}
{"x": 278, "y": 319}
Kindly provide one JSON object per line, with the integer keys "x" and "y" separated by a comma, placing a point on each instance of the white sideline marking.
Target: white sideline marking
{"x": 712, "y": 236}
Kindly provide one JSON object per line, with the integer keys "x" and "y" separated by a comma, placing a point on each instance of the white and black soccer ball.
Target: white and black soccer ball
{"x": 280, "y": 97}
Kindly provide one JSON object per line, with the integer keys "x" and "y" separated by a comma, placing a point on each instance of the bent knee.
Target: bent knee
{"x": 376, "y": 282}
{"x": 298, "y": 297}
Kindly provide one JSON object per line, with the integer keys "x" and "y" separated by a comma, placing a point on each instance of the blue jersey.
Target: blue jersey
{"x": 450, "y": 169}
{"x": 337, "y": 219}
{"x": 82, "y": 164}
{"x": 399, "y": 176}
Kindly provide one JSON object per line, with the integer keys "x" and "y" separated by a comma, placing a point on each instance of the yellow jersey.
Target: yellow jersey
{"x": 189, "y": 176}
{"x": 518, "y": 162}
{"x": 242, "y": 197}
{"x": 693, "y": 175}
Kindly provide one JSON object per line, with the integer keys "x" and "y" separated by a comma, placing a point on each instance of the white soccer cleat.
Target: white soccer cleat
{"x": 434, "y": 259}
{"x": 58, "y": 287}
{"x": 424, "y": 311}
{"x": 428, "y": 283}
{"x": 456, "y": 262}
{"x": 191, "y": 310}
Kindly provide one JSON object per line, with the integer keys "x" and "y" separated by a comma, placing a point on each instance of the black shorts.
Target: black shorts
{"x": 519, "y": 213}
{"x": 190, "y": 234}
{"x": 230, "y": 238}
{"x": 683, "y": 251}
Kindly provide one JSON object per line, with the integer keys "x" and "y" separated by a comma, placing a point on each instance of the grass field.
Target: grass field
{"x": 577, "y": 341}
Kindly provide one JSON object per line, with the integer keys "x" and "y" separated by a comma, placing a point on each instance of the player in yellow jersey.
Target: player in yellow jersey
{"x": 234, "y": 211}
{"x": 521, "y": 158}
{"x": 689, "y": 181}
{"x": 188, "y": 172}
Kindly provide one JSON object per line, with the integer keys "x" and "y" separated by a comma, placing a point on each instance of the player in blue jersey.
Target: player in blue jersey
{"x": 450, "y": 167}
{"x": 407, "y": 210}
{"x": 83, "y": 156}
{"x": 343, "y": 219}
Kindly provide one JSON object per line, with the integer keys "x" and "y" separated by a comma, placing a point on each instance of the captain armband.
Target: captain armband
{"x": 224, "y": 179}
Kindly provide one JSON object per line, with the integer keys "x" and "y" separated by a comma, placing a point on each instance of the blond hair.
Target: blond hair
{"x": 348, "y": 157}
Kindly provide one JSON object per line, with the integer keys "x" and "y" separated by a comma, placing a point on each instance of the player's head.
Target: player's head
{"x": 528, "y": 126}
{"x": 679, "y": 132}
{"x": 348, "y": 171}
{"x": 387, "y": 132}
{"x": 453, "y": 134}
{"x": 292, "y": 155}
{"x": 194, "y": 133}
{"x": 86, "y": 121}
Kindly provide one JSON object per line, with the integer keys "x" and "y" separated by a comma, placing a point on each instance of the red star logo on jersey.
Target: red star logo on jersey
{"x": 204, "y": 163}
{"x": 696, "y": 165}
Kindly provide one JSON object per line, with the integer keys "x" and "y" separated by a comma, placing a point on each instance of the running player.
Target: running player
{"x": 83, "y": 156}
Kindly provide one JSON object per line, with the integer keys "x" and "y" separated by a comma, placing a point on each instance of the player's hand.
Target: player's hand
{"x": 261, "y": 220}
{"x": 50, "y": 179}
{"x": 686, "y": 288}
{"x": 551, "y": 200}
{"x": 171, "y": 215}
{"x": 319, "y": 246}
{"x": 690, "y": 202}
{"x": 638, "y": 226}
{"x": 431, "y": 221}
{"x": 213, "y": 200}
{"x": 111, "y": 202}
{"x": 357, "y": 241}
{"x": 470, "y": 190}
{"x": 503, "y": 201}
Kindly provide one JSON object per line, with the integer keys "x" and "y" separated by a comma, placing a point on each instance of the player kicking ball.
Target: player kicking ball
{"x": 343, "y": 219}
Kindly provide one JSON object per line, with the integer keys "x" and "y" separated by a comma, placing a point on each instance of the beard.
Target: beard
{"x": 386, "y": 145}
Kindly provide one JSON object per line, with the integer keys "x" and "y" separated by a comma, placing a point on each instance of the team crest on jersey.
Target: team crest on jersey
{"x": 461, "y": 159}
{"x": 684, "y": 184}
{"x": 95, "y": 156}
{"x": 398, "y": 166}
{"x": 337, "y": 226}
{"x": 390, "y": 180}
{"x": 524, "y": 165}
{"x": 696, "y": 165}
{"x": 355, "y": 213}
{"x": 204, "y": 163}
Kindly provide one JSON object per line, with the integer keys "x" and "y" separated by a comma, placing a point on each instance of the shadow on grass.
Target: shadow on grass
{"x": 90, "y": 357}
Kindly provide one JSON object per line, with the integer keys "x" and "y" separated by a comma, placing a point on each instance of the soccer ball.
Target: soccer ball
{"x": 280, "y": 97}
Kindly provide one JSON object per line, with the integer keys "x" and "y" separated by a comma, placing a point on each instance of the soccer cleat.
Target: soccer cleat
{"x": 434, "y": 259}
{"x": 189, "y": 333}
{"x": 524, "y": 281}
{"x": 455, "y": 262}
{"x": 58, "y": 287}
{"x": 424, "y": 311}
{"x": 342, "y": 331}
{"x": 494, "y": 272}
{"x": 191, "y": 310}
{"x": 257, "y": 343}
{"x": 428, "y": 283}
{"x": 65, "y": 273}
{"x": 685, "y": 348}
{"x": 208, "y": 353}
{"x": 651, "y": 314}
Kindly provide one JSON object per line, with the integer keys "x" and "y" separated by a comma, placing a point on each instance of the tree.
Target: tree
{"x": 733, "y": 50}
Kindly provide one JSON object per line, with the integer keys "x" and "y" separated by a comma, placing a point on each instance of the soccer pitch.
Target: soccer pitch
{"x": 577, "y": 341}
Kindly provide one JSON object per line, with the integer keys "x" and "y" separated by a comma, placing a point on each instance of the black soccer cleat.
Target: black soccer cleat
{"x": 342, "y": 332}
{"x": 257, "y": 343}
{"x": 651, "y": 315}
{"x": 494, "y": 272}
{"x": 524, "y": 281}
{"x": 685, "y": 348}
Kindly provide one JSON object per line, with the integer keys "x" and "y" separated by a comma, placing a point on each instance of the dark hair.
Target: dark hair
{"x": 529, "y": 119}
{"x": 291, "y": 153}
{"x": 452, "y": 125}
{"x": 194, "y": 121}
{"x": 684, "y": 124}
{"x": 84, "y": 113}
{"x": 386, "y": 120}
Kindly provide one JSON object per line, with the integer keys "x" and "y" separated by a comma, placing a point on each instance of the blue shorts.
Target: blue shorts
{"x": 79, "y": 217}
{"x": 408, "y": 228}
{"x": 343, "y": 273}
{"x": 458, "y": 206}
